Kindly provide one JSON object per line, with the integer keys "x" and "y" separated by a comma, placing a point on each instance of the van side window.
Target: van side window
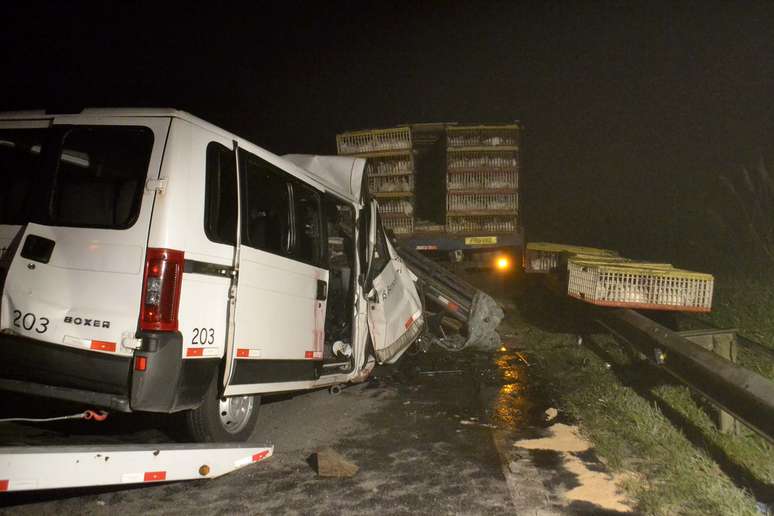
{"x": 220, "y": 197}
{"x": 266, "y": 214}
{"x": 308, "y": 235}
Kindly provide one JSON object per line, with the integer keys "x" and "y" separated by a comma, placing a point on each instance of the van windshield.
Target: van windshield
{"x": 86, "y": 176}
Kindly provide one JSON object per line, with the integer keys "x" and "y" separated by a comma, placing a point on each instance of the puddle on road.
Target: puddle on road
{"x": 476, "y": 391}
{"x": 573, "y": 472}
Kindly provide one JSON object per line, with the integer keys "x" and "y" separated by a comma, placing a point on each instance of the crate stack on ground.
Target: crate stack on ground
{"x": 652, "y": 286}
{"x": 482, "y": 164}
{"x": 602, "y": 277}
{"x": 389, "y": 171}
{"x": 546, "y": 257}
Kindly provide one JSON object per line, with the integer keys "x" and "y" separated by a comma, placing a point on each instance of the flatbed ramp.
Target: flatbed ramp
{"x": 27, "y": 468}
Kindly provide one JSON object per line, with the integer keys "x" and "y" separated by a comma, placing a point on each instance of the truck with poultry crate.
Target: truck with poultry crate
{"x": 448, "y": 189}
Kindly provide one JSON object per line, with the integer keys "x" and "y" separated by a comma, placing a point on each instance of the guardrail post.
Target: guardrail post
{"x": 723, "y": 343}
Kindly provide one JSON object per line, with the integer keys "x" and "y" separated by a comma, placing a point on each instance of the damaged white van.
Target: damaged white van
{"x": 153, "y": 262}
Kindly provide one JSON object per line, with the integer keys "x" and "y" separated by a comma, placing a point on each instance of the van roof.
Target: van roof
{"x": 41, "y": 114}
{"x": 341, "y": 174}
{"x": 323, "y": 175}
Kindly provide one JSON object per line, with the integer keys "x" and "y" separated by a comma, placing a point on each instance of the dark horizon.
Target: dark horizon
{"x": 626, "y": 107}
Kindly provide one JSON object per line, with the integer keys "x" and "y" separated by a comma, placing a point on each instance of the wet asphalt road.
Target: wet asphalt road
{"x": 432, "y": 435}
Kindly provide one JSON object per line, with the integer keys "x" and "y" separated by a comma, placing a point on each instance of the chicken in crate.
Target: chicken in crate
{"x": 545, "y": 257}
{"x": 446, "y": 188}
{"x": 651, "y": 286}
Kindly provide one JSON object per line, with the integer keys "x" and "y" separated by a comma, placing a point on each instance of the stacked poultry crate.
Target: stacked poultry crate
{"x": 482, "y": 164}
{"x": 653, "y": 286}
{"x": 389, "y": 171}
{"x": 602, "y": 277}
{"x": 545, "y": 257}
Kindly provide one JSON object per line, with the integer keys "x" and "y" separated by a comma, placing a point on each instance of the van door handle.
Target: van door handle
{"x": 37, "y": 248}
{"x": 322, "y": 290}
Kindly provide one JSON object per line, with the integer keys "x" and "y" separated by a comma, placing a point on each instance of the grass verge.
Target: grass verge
{"x": 639, "y": 420}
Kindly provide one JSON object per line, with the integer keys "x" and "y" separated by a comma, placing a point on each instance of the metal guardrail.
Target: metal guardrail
{"x": 450, "y": 292}
{"x": 744, "y": 394}
{"x": 477, "y": 315}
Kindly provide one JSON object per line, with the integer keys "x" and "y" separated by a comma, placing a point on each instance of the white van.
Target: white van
{"x": 154, "y": 262}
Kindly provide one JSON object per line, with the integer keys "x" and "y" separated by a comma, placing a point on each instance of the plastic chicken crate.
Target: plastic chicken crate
{"x": 374, "y": 140}
{"x": 481, "y": 201}
{"x": 544, "y": 257}
{"x": 639, "y": 285}
{"x": 400, "y": 225}
{"x": 386, "y": 184}
{"x": 389, "y": 165}
{"x": 483, "y": 179}
{"x": 397, "y": 207}
{"x": 477, "y": 223}
{"x": 467, "y": 159}
{"x": 482, "y": 136}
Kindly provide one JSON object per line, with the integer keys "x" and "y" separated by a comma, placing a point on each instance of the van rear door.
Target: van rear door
{"x": 394, "y": 308}
{"x": 77, "y": 189}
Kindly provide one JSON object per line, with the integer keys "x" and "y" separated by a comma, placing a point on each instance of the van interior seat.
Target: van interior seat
{"x": 96, "y": 202}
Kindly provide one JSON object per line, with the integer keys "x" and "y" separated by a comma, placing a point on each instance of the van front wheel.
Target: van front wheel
{"x": 231, "y": 419}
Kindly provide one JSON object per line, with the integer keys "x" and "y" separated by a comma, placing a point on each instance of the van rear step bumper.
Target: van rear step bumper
{"x": 36, "y": 362}
{"x": 169, "y": 384}
{"x": 98, "y": 399}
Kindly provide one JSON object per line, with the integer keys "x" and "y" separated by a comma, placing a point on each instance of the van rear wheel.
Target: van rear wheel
{"x": 231, "y": 419}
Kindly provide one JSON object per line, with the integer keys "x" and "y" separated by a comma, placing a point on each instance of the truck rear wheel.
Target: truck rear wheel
{"x": 231, "y": 419}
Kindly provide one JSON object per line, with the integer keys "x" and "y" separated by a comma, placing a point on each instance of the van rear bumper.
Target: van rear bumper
{"x": 56, "y": 371}
{"x": 95, "y": 399}
{"x": 169, "y": 384}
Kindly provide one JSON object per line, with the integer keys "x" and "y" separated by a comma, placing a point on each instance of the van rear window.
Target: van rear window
{"x": 100, "y": 176}
{"x": 19, "y": 166}
{"x": 87, "y": 176}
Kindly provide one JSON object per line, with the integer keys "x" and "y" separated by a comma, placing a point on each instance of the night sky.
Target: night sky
{"x": 631, "y": 110}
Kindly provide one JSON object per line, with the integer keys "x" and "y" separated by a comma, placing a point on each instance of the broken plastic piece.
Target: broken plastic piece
{"x": 342, "y": 349}
{"x": 333, "y": 464}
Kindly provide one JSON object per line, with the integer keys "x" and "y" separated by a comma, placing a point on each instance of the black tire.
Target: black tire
{"x": 205, "y": 424}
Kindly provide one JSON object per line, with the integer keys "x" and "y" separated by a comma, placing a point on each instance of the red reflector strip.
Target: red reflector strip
{"x": 260, "y": 456}
{"x": 154, "y": 476}
{"x": 243, "y": 352}
{"x": 101, "y": 345}
{"x": 451, "y": 305}
{"x": 313, "y": 355}
{"x": 194, "y": 352}
{"x": 140, "y": 363}
{"x": 4, "y": 483}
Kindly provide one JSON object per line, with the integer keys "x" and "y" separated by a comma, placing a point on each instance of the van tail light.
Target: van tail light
{"x": 161, "y": 289}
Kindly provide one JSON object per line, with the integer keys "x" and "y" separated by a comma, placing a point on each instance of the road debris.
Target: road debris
{"x": 597, "y": 487}
{"x": 433, "y": 373}
{"x": 590, "y": 485}
{"x": 332, "y": 464}
{"x": 476, "y": 423}
{"x": 563, "y": 438}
